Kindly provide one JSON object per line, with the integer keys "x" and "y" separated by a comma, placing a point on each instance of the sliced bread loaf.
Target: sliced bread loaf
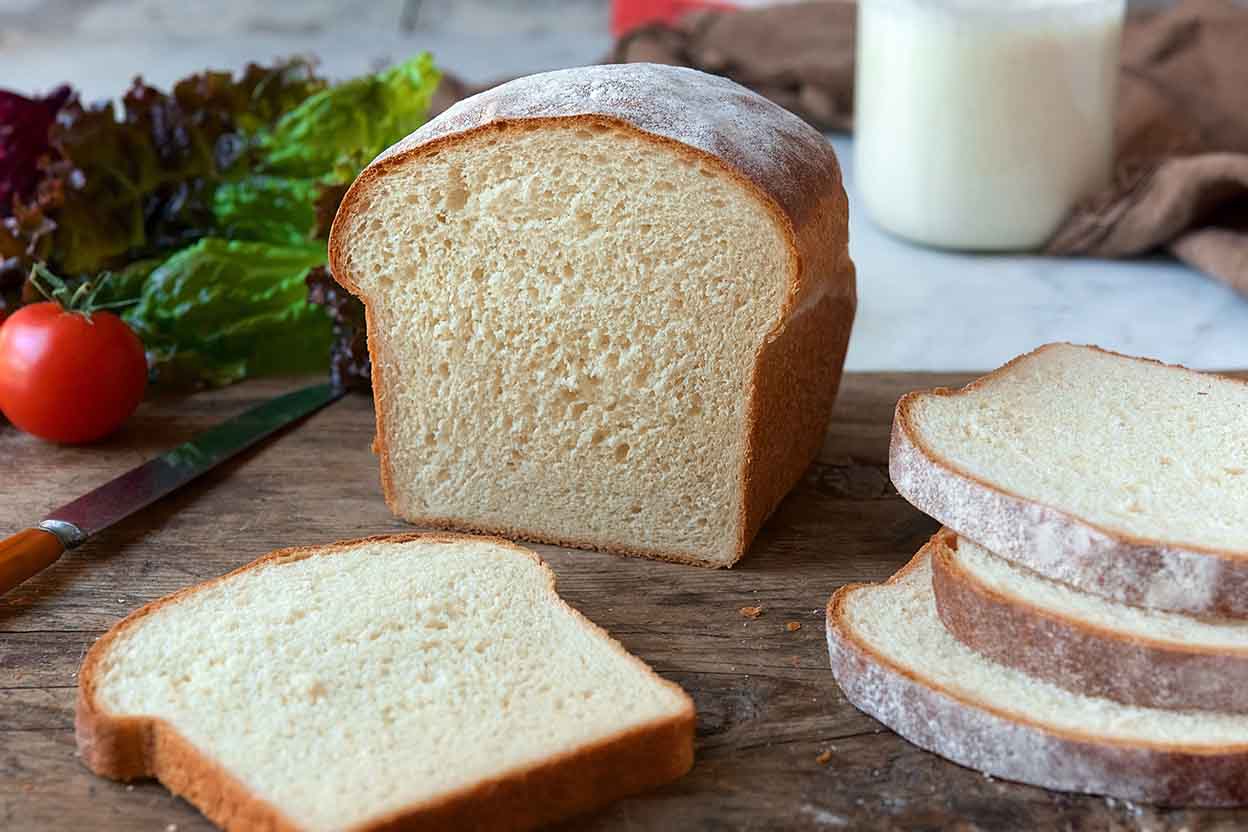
{"x": 895, "y": 660}
{"x": 1083, "y": 642}
{"x": 412, "y": 682}
{"x": 607, "y": 307}
{"x": 1120, "y": 476}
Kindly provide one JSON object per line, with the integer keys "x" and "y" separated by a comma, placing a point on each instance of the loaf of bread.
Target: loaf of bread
{"x": 1085, "y": 643}
{"x": 895, "y": 660}
{"x": 410, "y": 682}
{"x": 1120, "y": 476}
{"x": 608, "y": 307}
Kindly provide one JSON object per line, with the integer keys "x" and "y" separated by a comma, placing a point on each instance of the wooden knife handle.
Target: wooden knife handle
{"x": 26, "y": 554}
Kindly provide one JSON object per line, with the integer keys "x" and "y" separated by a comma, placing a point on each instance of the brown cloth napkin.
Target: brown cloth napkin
{"x": 1182, "y": 172}
{"x": 1181, "y": 182}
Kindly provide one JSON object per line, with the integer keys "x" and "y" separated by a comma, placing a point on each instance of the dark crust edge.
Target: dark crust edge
{"x": 132, "y": 747}
{"x": 759, "y": 478}
{"x": 1094, "y": 660}
{"x": 1171, "y": 775}
{"x": 904, "y": 422}
{"x": 1101, "y": 551}
{"x": 838, "y": 628}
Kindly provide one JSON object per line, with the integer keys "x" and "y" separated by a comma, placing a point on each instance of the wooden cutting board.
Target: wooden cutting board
{"x": 767, "y": 706}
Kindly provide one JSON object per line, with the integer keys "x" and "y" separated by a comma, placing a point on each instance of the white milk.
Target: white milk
{"x": 979, "y": 123}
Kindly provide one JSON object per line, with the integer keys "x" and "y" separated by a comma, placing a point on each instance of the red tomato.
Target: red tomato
{"x": 67, "y": 378}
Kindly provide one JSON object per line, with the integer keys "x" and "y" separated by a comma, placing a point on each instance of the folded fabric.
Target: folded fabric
{"x": 1182, "y": 171}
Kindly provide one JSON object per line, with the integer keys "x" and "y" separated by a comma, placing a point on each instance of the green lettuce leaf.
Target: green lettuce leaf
{"x": 271, "y": 209}
{"x": 206, "y": 203}
{"x": 222, "y": 310}
{"x": 126, "y": 285}
{"x": 251, "y": 102}
{"x": 132, "y": 184}
{"x": 334, "y": 133}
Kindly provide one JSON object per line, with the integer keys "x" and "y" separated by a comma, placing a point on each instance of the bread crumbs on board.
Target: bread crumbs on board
{"x": 792, "y": 626}
{"x": 824, "y": 758}
{"x": 751, "y": 612}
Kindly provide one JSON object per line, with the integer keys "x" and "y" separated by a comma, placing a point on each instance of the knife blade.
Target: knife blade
{"x": 30, "y": 551}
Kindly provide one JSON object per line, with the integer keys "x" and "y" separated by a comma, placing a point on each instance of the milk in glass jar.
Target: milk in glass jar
{"x": 980, "y": 123}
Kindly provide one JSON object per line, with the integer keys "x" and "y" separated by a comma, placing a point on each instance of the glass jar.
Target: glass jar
{"x": 979, "y": 124}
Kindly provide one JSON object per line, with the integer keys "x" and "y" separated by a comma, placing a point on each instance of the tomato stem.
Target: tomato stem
{"x": 82, "y": 299}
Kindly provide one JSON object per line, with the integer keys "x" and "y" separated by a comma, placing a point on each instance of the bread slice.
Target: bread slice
{"x": 894, "y": 660}
{"x": 1085, "y": 643}
{"x": 409, "y": 682}
{"x": 607, "y": 307}
{"x": 1120, "y": 476}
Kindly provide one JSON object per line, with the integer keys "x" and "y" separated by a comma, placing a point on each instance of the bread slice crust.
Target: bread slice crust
{"x": 1079, "y": 655}
{"x": 1015, "y": 746}
{"x": 796, "y": 371}
{"x": 1057, "y": 544}
{"x": 123, "y": 747}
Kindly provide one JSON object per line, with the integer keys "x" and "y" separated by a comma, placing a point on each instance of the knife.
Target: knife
{"x": 32, "y": 550}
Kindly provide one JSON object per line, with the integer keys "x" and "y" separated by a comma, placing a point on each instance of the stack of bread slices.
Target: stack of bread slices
{"x": 1081, "y": 622}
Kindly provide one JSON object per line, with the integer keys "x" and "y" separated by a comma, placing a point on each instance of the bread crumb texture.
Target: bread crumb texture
{"x": 346, "y": 686}
{"x": 1136, "y": 447}
{"x": 898, "y": 620}
{"x": 569, "y": 317}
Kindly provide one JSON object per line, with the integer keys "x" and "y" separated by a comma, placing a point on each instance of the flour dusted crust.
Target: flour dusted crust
{"x": 781, "y": 160}
{"x": 785, "y": 157}
{"x": 1079, "y": 656}
{"x": 1012, "y": 747}
{"x": 1061, "y": 546}
{"x": 127, "y": 748}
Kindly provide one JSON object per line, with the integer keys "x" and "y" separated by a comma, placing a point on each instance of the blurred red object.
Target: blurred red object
{"x": 627, "y": 15}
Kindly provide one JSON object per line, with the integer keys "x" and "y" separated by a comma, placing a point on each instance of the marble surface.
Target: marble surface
{"x": 924, "y": 309}
{"x": 919, "y": 309}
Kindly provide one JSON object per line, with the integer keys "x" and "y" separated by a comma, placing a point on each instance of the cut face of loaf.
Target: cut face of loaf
{"x": 1085, "y": 643}
{"x": 894, "y": 660}
{"x": 608, "y": 308}
{"x": 413, "y": 682}
{"x": 1120, "y": 476}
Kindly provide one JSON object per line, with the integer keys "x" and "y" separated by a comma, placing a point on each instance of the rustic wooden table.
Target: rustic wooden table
{"x": 767, "y": 706}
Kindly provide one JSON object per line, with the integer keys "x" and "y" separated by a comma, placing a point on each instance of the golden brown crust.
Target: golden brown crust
{"x": 454, "y": 524}
{"x": 1184, "y": 578}
{"x": 796, "y": 370}
{"x": 905, "y": 421}
{"x": 626, "y": 764}
{"x": 123, "y": 747}
{"x": 836, "y": 620}
{"x": 1015, "y": 746}
{"x": 797, "y": 373}
{"x": 1081, "y": 656}
{"x": 710, "y": 113}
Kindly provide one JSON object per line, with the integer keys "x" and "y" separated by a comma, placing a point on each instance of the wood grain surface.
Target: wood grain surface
{"x": 778, "y": 746}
